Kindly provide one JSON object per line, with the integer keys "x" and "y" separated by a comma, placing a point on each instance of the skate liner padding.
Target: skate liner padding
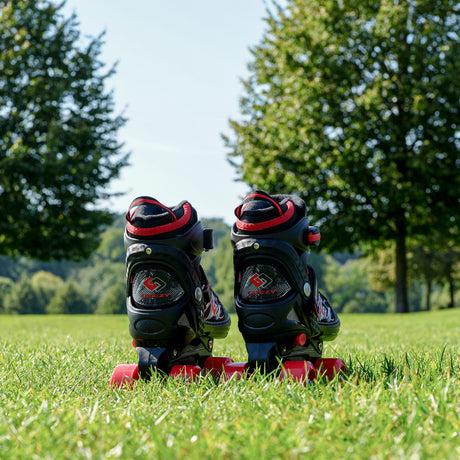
{"x": 149, "y": 220}
{"x": 280, "y": 216}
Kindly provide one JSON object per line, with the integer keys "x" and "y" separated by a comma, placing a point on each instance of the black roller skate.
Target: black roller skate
{"x": 173, "y": 313}
{"x": 283, "y": 317}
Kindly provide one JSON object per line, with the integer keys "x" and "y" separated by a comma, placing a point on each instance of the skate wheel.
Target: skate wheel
{"x": 216, "y": 365}
{"x": 124, "y": 376}
{"x": 330, "y": 367}
{"x": 298, "y": 371}
{"x": 185, "y": 371}
{"x": 235, "y": 370}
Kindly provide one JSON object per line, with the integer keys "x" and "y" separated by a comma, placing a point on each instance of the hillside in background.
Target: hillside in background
{"x": 353, "y": 284}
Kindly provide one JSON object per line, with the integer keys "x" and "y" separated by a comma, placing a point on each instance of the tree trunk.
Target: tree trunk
{"x": 451, "y": 290}
{"x": 428, "y": 295}
{"x": 402, "y": 304}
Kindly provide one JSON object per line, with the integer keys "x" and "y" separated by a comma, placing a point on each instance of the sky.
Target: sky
{"x": 178, "y": 81}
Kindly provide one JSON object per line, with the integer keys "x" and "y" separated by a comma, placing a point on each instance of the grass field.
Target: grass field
{"x": 401, "y": 398}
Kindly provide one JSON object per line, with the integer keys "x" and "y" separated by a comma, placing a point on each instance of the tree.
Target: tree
{"x": 22, "y": 299}
{"x": 6, "y": 285}
{"x": 58, "y": 145}
{"x": 349, "y": 290}
{"x": 112, "y": 246}
{"x": 354, "y": 106}
{"x": 98, "y": 279}
{"x": 45, "y": 284}
{"x": 114, "y": 302}
{"x": 425, "y": 263}
{"x": 69, "y": 299}
{"x": 449, "y": 261}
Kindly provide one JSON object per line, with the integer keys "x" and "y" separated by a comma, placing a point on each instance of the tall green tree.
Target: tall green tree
{"x": 355, "y": 107}
{"x": 112, "y": 246}
{"x": 58, "y": 133}
{"x": 69, "y": 299}
{"x": 22, "y": 298}
{"x": 113, "y": 302}
{"x": 6, "y": 285}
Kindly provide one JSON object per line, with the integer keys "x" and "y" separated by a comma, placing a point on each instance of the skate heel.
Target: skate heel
{"x": 262, "y": 356}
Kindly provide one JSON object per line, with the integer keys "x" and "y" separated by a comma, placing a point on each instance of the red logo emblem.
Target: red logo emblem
{"x": 261, "y": 281}
{"x": 150, "y": 284}
{"x": 256, "y": 281}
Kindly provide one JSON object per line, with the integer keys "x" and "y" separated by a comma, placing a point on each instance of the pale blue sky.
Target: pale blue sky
{"x": 178, "y": 75}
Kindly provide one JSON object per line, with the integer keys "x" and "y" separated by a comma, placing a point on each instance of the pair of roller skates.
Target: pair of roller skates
{"x": 175, "y": 316}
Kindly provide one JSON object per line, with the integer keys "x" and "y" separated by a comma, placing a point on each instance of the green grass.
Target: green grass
{"x": 401, "y": 398}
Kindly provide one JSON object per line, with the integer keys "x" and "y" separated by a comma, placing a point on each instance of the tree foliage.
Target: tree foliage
{"x": 354, "y": 106}
{"x": 6, "y": 284}
{"x": 352, "y": 284}
{"x": 58, "y": 134}
{"x": 114, "y": 301}
{"x": 111, "y": 246}
{"x": 45, "y": 285}
{"x": 69, "y": 299}
{"x": 98, "y": 279}
{"x": 22, "y": 298}
{"x": 349, "y": 289}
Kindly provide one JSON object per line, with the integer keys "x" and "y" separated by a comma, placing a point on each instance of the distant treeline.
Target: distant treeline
{"x": 97, "y": 285}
